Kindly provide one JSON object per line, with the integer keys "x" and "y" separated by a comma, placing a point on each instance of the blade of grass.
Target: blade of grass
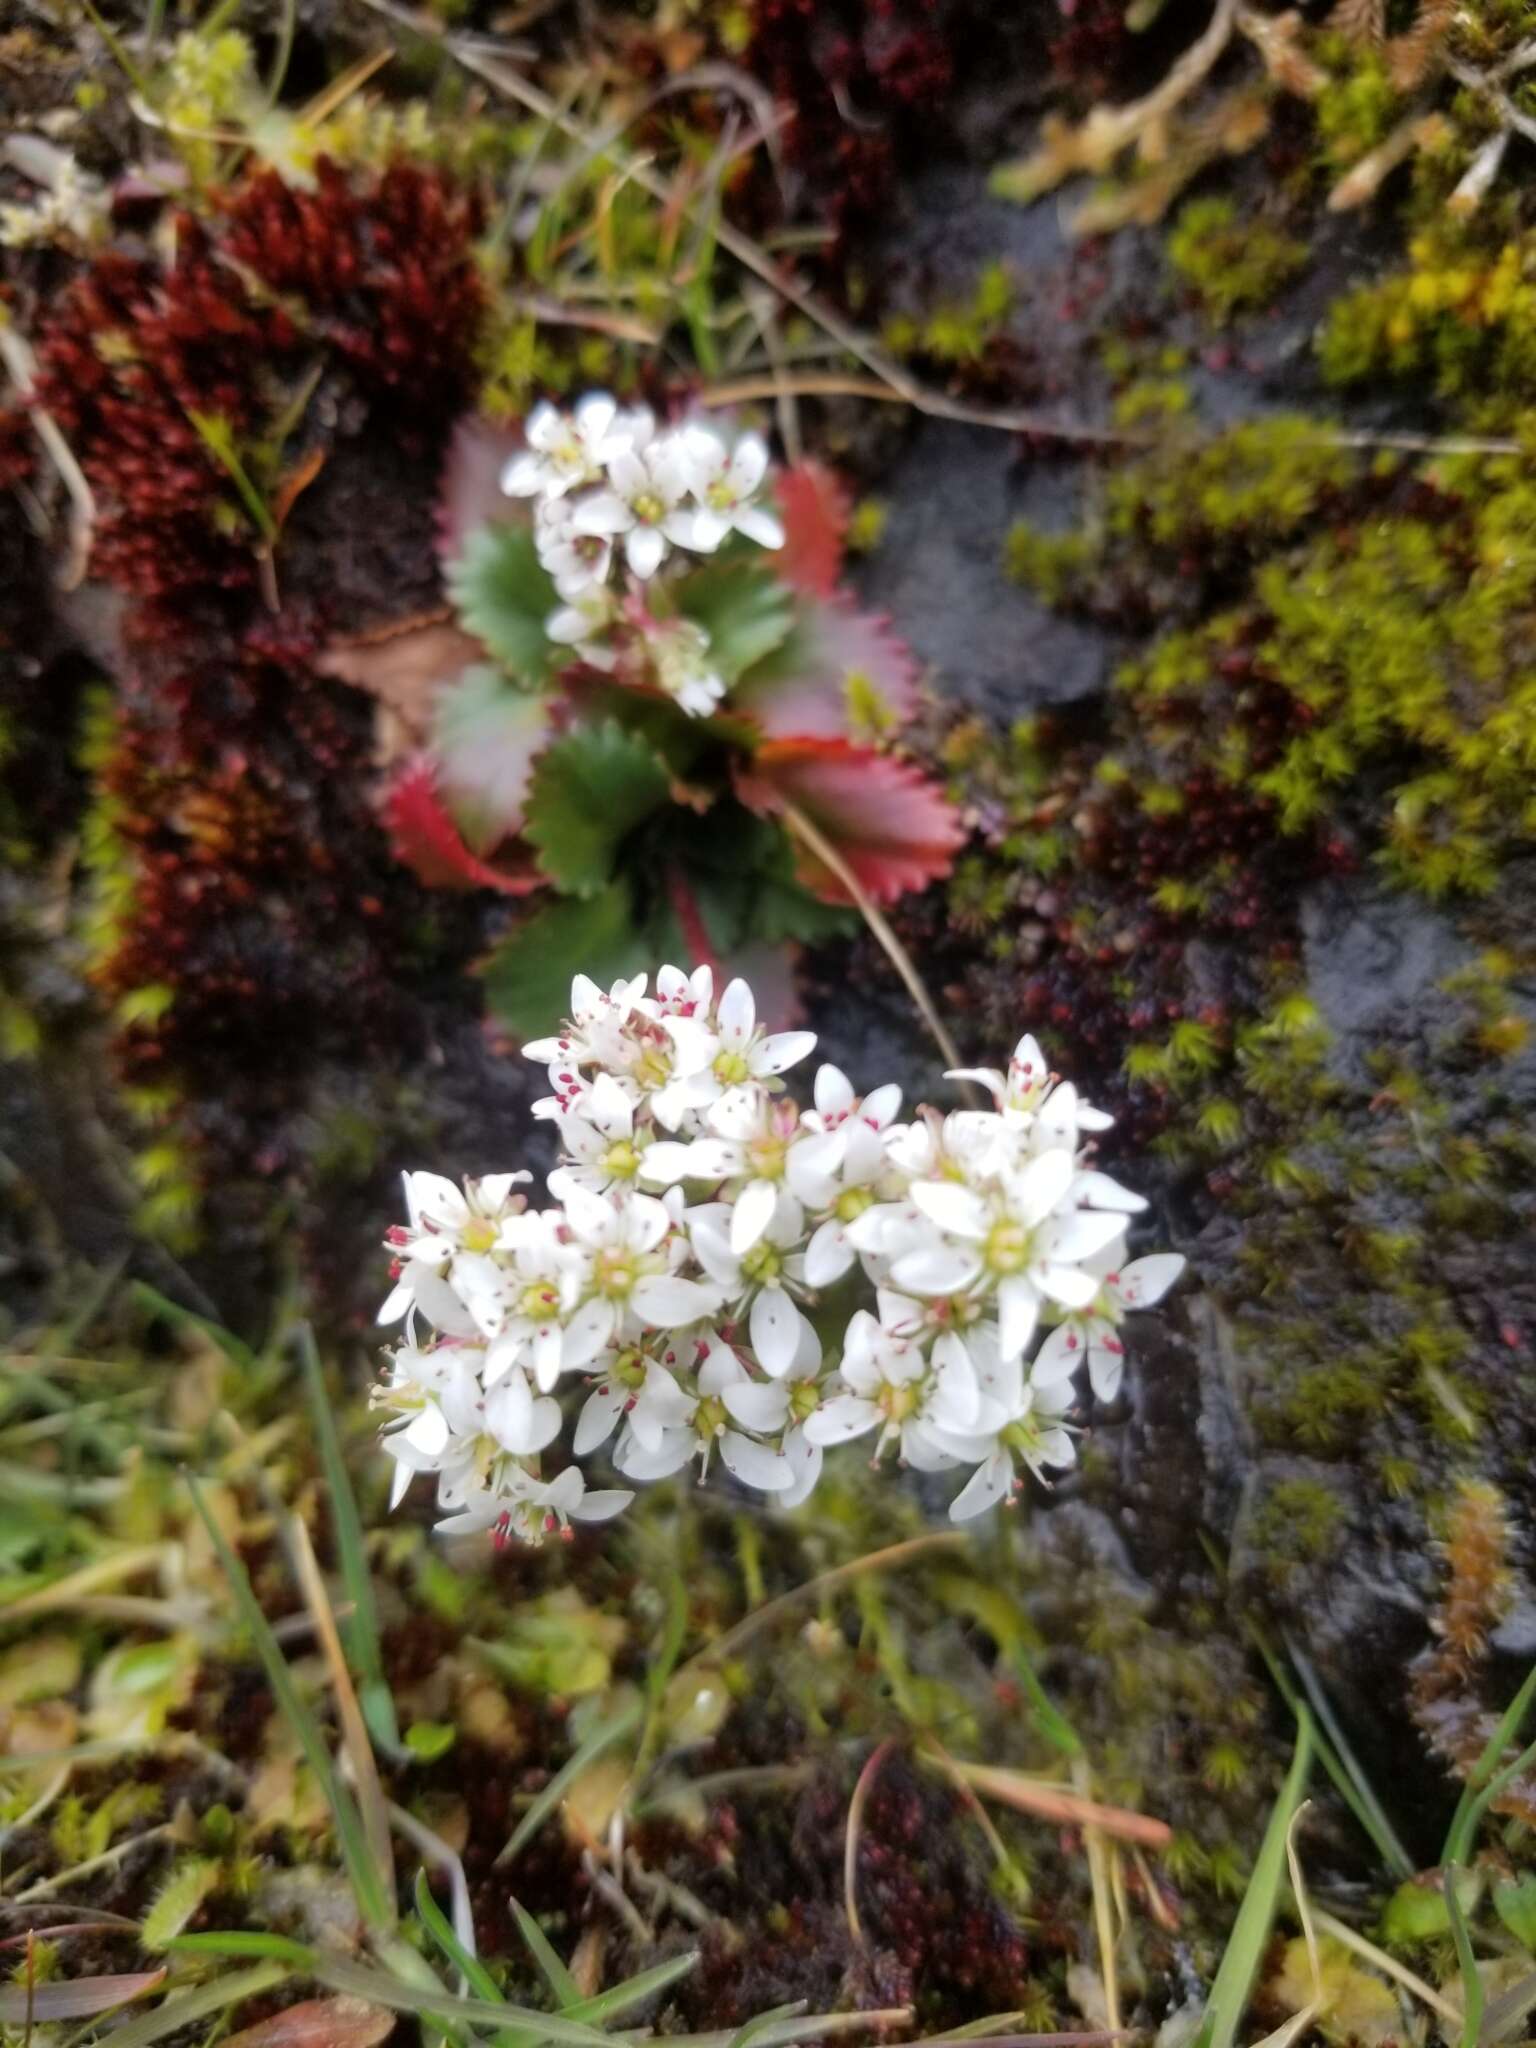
{"x": 563, "y": 1988}
{"x": 755, "y": 2028}
{"x": 361, "y": 1629}
{"x": 470, "y": 1968}
{"x": 185, "y": 1318}
{"x": 365, "y": 1772}
{"x": 1333, "y": 1747}
{"x": 239, "y": 1942}
{"x": 76, "y": 1998}
{"x": 774, "y": 2033}
{"x": 1504, "y": 2013}
{"x": 1239, "y": 1965}
{"x": 187, "y": 2008}
{"x": 660, "y": 1667}
{"x": 602, "y": 1739}
{"x": 376, "y": 1909}
{"x": 1472, "y": 1804}
{"x": 1348, "y": 1779}
{"x": 437, "y": 1851}
{"x": 383, "y": 1989}
{"x": 1471, "y": 1981}
{"x": 618, "y": 1998}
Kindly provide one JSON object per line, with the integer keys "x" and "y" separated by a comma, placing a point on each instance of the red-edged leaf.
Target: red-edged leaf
{"x": 404, "y": 670}
{"x": 895, "y": 829}
{"x": 841, "y": 674}
{"x": 815, "y": 509}
{"x": 79, "y": 1999}
{"x": 320, "y": 2023}
{"x": 424, "y": 836}
{"x": 470, "y": 492}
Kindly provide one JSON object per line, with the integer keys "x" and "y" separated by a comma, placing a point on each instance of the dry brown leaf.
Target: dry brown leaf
{"x": 319, "y": 2023}
{"x": 403, "y": 670}
{"x": 1360, "y": 21}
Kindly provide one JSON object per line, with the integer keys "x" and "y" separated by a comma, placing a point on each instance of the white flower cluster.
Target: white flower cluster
{"x": 600, "y": 477}
{"x": 724, "y": 1270}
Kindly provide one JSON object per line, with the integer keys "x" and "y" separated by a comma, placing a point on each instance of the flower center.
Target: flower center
{"x": 804, "y": 1399}
{"x": 709, "y": 1418}
{"x": 649, "y": 507}
{"x": 897, "y": 1399}
{"x": 540, "y": 1301}
{"x": 767, "y": 1157}
{"x": 732, "y": 1068}
{"x": 629, "y": 1370}
{"x": 850, "y": 1203}
{"x": 616, "y": 1274}
{"x": 1007, "y": 1248}
{"x": 719, "y": 495}
{"x": 478, "y": 1234}
{"x": 762, "y": 1263}
{"x": 621, "y": 1159}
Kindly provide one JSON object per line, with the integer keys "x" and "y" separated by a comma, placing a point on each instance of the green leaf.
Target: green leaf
{"x": 504, "y": 595}
{"x": 602, "y": 1739}
{"x": 243, "y": 1942}
{"x": 618, "y": 1998}
{"x": 469, "y": 1967}
{"x": 1514, "y": 1900}
{"x": 428, "y": 1740}
{"x": 1250, "y": 1932}
{"x": 589, "y": 792}
{"x": 1471, "y": 1979}
{"x": 360, "y": 1630}
{"x": 562, "y": 1985}
{"x": 746, "y": 611}
{"x": 187, "y": 2008}
{"x": 190, "y": 1881}
{"x": 486, "y": 736}
{"x": 528, "y": 977}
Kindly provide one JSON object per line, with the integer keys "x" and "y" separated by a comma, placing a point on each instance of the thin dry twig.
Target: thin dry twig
{"x": 863, "y": 1786}
{"x": 1059, "y": 1803}
{"x": 773, "y": 1611}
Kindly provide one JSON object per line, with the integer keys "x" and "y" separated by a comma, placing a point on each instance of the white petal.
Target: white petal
{"x": 934, "y": 1268}
{"x": 1059, "y": 1356}
{"x": 753, "y": 1464}
{"x": 880, "y": 1105}
{"x": 954, "y": 1208}
{"x": 586, "y": 1334}
{"x": 759, "y": 524}
{"x": 829, "y": 1254}
{"x": 841, "y": 1419}
{"x": 756, "y": 1405}
{"x": 1100, "y": 1192}
{"x": 958, "y": 1395}
{"x": 782, "y": 1050}
{"x": 1018, "y": 1310}
{"x": 1146, "y": 1280}
{"x": 1036, "y": 1191}
{"x": 599, "y": 1413}
{"x": 737, "y": 1016}
{"x": 1069, "y": 1285}
{"x": 602, "y": 1505}
{"x": 602, "y": 513}
{"x": 752, "y": 1213}
{"x": 987, "y": 1485}
{"x": 804, "y": 1461}
{"x": 666, "y": 1163}
{"x": 774, "y": 1326}
{"x": 644, "y": 549}
{"x": 1080, "y": 1234}
{"x": 1106, "y": 1369}
{"x": 666, "y": 1303}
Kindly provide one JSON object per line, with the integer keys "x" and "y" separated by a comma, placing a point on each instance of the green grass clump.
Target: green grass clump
{"x": 1232, "y": 265}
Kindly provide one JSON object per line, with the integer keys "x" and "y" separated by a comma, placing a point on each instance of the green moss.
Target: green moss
{"x": 1231, "y": 264}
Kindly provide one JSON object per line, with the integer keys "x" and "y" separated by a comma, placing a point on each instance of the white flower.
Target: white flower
{"x": 599, "y": 1137}
{"x": 446, "y": 1221}
{"x": 755, "y": 1161}
{"x": 726, "y": 481}
{"x": 641, "y": 1391}
{"x": 643, "y": 502}
{"x": 520, "y": 1423}
{"x": 678, "y": 653}
{"x": 707, "y": 1427}
{"x": 756, "y": 1281}
{"x": 566, "y": 450}
{"x": 530, "y": 1300}
{"x": 582, "y": 623}
{"x": 851, "y": 1189}
{"x": 635, "y": 1250}
{"x": 768, "y": 1407}
{"x": 1010, "y": 1238}
{"x": 575, "y": 561}
{"x": 1092, "y": 1334}
{"x": 522, "y": 1506}
{"x": 890, "y": 1388}
{"x": 1033, "y": 1435}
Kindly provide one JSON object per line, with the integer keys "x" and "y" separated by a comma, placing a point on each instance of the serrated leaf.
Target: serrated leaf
{"x": 189, "y": 1882}
{"x": 746, "y": 611}
{"x": 504, "y": 595}
{"x": 839, "y": 674}
{"x": 813, "y": 504}
{"x": 589, "y": 792}
{"x": 422, "y": 834}
{"x": 486, "y": 736}
{"x": 528, "y": 977}
{"x": 894, "y": 829}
